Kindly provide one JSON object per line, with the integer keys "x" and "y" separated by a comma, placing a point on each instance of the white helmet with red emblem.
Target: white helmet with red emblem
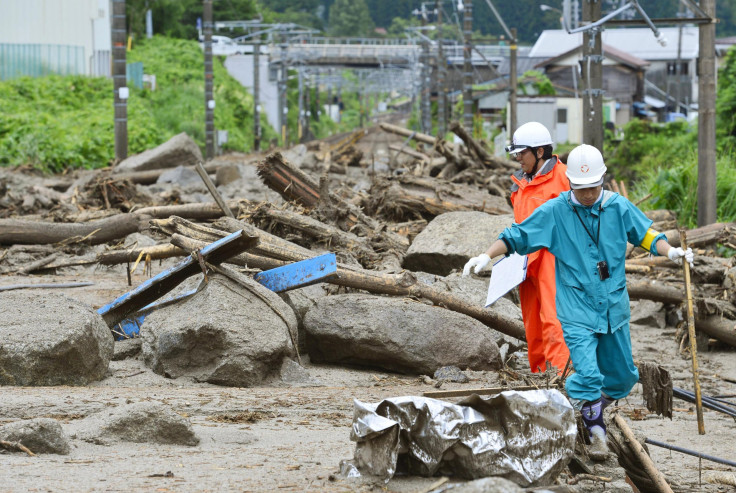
{"x": 585, "y": 167}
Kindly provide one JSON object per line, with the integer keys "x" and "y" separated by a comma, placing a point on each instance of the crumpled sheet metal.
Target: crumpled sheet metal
{"x": 527, "y": 437}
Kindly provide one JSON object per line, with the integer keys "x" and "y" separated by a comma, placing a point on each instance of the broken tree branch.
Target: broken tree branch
{"x": 14, "y": 231}
{"x": 657, "y": 478}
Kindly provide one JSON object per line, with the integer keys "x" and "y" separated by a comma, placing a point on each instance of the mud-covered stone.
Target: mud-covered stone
{"x": 48, "y": 338}
{"x": 224, "y": 334}
{"x": 140, "y": 422}
{"x": 451, "y": 239}
{"x": 39, "y": 435}
{"x": 397, "y": 334}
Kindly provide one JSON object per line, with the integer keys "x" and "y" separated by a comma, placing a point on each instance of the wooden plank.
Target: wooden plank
{"x": 483, "y": 391}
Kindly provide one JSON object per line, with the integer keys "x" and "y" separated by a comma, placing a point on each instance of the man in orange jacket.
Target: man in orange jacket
{"x": 541, "y": 177}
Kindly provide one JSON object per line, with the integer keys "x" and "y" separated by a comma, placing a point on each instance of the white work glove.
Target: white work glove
{"x": 478, "y": 262}
{"x": 676, "y": 253}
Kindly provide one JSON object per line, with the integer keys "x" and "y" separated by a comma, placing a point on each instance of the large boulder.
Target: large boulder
{"x": 39, "y": 435}
{"x": 450, "y": 239}
{"x": 140, "y": 422}
{"x": 51, "y": 339}
{"x": 397, "y": 334}
{"x": 180, "y": 150}
{"x": 225, "y": 334}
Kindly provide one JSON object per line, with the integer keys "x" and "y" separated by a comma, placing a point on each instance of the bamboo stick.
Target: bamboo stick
{"x": 691, "y": 336}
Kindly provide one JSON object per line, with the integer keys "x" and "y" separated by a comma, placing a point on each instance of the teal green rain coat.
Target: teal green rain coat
{"x": 594, "y": 313}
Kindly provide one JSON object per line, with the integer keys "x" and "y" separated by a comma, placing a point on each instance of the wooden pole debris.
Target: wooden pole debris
{"x": 212, "y": 189}
{"x": 691, "y": 336}
{"x": 657, "y": 478}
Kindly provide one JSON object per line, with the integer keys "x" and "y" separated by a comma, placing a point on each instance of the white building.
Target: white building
{"x": 54, "y": 36}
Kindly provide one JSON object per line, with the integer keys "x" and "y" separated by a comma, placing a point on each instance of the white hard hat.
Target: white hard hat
{"x": 585, "y": 167}
{"x": 532, "y": 134}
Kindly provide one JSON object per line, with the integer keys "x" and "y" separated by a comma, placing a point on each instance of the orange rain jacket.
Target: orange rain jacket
{"x": 537, "y": 293}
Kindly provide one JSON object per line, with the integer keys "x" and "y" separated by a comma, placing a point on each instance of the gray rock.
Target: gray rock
{"x": 292, "y": 373}
{"x": 39, "y": 435}
{"x": 225, "y": 334}
{"x": 51, "y": 339}
{"x": 141, "y": 422}
{"x": 451, "y": 374}
{"x": 301, "y": 300}
{"x": 127, "y": 348}
{"x": 181, "y": 176}
{"x": 138, "y": 240}
{"x": 648, "y": 313}
{"x": 397, "y": 334}
{"x": 485, "y": 485}
{"x": 450, "y": 239}
{"x": 226, "y": 174}
{"x": 180, "y": 150}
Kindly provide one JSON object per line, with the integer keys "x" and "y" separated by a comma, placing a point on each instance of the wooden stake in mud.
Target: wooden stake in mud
{"x": 660, "y": 483}
{"x": 691, "y": 336}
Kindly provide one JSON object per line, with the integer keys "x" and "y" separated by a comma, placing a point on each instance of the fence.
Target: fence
{"x": 17, "y": 60}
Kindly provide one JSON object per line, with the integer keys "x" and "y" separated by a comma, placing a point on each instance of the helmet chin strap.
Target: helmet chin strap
{"x": 536, "y": 164}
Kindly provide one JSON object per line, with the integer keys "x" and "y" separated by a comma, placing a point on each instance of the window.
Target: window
{"x": 561, "y": 115}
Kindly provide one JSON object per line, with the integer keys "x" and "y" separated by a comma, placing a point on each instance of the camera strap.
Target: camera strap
{"x": 575, "y": 210}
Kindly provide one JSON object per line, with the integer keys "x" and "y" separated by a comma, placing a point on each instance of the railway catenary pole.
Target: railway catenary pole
{"x": 707, "y": 117}
{"x": 118, "y": 34}
{"x": 593, "y": 77}
{"x": 468, "y": 65}
{"x": 256, "y": 96}
{"x": 441, "y": 89}
{"x": 209, "y": 102}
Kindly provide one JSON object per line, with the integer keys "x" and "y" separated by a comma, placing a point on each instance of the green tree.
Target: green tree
{"x": 350, "y": 18}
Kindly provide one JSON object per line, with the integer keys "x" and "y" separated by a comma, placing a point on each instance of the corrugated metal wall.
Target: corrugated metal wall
{"x": 50, "y": 36}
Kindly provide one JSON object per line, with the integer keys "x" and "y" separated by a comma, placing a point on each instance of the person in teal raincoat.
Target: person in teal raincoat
{"x": 587, "y": 230}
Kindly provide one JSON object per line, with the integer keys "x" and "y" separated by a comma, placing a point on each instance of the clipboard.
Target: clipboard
{"x": 507, "y": 273}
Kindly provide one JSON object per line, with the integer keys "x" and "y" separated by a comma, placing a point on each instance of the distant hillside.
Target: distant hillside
{"x": 524, "y": 15}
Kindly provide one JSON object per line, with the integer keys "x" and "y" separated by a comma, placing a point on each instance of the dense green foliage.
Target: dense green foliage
{"x": 350, "y": 18}
{"x": 524, "y": 15}
{"x": 58, "y": 122}
{"x": 662, "y": 160}
{"x": 54, "y": 122}
{"x": 178, "y": 18}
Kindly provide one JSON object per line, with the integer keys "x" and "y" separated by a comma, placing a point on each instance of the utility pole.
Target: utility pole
{"x": 467, "y": 66}
{"x": 318, "y": 108}
{"x": 513, "y": 82}
{"x": 441, "y": 89}
{"x": 707, "y": 117}
{"x": 300, "y": 104}
{"x": 425, "y": 84}
{"x": 256, "y": 96}
{"x": 283, "y": 110}
{"x": 593, "y": 77}
{"x": 118, "y": 34}
{"x": 307, "y": 112}
{"x": 209, "y": 102}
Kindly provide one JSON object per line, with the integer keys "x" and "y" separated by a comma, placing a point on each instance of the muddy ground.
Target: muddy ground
{"x": 292, "y": 438}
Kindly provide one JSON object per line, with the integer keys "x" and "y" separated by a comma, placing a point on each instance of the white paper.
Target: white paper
{"x": 507, "y": 273}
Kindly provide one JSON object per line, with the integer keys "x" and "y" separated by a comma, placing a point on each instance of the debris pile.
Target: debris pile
{"x": 347, "y": 253}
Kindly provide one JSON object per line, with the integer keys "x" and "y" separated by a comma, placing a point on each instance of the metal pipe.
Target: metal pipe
{"x": 690, "y": 452}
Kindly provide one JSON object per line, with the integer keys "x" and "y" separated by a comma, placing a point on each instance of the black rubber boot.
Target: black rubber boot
{"x": 593, "y": 420}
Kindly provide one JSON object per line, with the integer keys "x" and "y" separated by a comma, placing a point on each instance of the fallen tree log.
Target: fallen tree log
{"x": 131, "y": 255}
{"x": 719, "y": 328}
{"x": 203, "y": 210}
{"x": 405, "y": 132}
{"x": 403, "y": 284}
{"x": 295, "y": 185}
{"x": 403, "y": 197}
{"x": 474, "y": 147}
{"x": 151, "y": 176}
{"x": 14, "y": 231}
